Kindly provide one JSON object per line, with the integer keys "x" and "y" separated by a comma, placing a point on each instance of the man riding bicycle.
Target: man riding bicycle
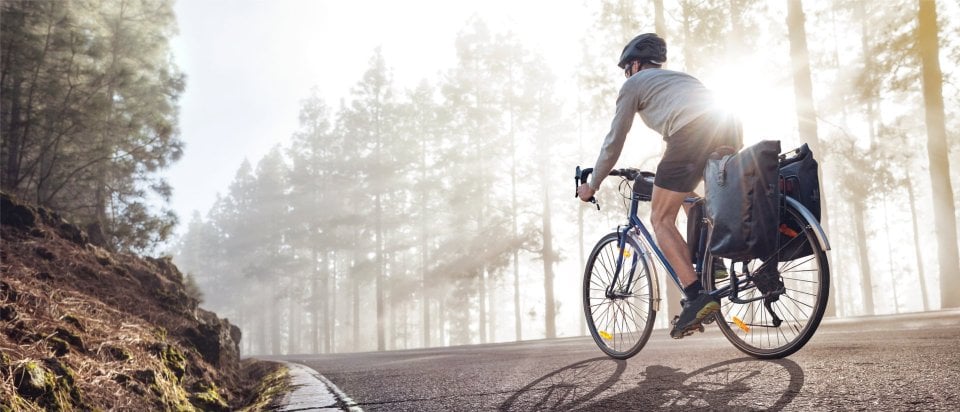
{"x": 682, "y": 110}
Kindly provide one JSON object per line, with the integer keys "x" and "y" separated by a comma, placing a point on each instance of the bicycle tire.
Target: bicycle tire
{"x": 620, "y": 326}
{"x": 806, "y": 280}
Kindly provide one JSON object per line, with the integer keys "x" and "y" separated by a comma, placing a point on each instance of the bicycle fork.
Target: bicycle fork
{"x": 611, "y": 292}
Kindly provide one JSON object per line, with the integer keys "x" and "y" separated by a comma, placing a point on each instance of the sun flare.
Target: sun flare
{"x": 761, "y": 99}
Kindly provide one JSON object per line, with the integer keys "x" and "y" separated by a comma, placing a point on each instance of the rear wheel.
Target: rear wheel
{"x": 620, "y": 318}
{"x": 805, "y": 276}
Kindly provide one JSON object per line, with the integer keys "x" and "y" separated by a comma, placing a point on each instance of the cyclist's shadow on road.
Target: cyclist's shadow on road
{"x": 596, "y": 384}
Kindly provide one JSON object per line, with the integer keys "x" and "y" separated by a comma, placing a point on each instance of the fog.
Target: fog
{"x": 389, "y": 202}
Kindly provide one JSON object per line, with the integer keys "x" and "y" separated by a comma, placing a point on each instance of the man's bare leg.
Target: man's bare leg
{"x": 665, "y": 207}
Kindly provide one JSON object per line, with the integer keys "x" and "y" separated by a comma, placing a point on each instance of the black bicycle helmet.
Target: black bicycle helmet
{"x": 647, "y": 47}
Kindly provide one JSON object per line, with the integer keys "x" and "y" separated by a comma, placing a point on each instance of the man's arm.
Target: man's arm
{"x": 613, "y": 144}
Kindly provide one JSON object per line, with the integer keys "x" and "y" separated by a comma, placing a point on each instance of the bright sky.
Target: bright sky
{"x": 249, "y": 63}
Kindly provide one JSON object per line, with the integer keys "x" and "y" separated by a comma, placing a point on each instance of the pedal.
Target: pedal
{"x": 680, "y": 334}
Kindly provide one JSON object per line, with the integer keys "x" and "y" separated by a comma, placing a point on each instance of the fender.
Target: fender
{"x": 647, "y": 256}
{"x": 812, "y": 221}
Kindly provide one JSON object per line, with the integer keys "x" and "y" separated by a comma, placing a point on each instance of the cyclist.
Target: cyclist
{"x": 682, "y": 110}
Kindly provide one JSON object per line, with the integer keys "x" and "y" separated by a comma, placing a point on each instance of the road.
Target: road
{"x": 897, "y": 362}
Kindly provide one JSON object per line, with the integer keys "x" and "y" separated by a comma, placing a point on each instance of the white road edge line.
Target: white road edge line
{"x": 348, "y": 402}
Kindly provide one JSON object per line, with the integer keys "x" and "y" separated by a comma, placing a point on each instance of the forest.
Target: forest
{"x": 443, "y": 214}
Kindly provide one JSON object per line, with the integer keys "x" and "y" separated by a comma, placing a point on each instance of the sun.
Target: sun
{"x": 758, "y": 96}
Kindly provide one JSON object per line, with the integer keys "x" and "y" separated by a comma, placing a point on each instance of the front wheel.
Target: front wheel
{"x": 804, "y": 275}
{"x": 620, "y": 317}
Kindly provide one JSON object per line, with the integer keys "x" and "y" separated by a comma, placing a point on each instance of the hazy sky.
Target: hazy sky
{"x": 249, "y": 63}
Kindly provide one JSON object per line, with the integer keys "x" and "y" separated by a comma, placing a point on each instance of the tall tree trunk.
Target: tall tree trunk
{"x": 802, "y": 83}
{"x": 482, "y": 270}
{"x": 517, "y": 323}
{"x": 482, "y": 305}
{"x": 391, "y": 305}
{"x": 405, "y": 338}
{"x": 25, "y": 137}
{"x": 441, "y": 322}
{"x": 356, "y": 312}
{"x": 492, "y": 304}
{"x": 424, "y": 293}
{"x": 378, "y": 207}
{"x": 916, "y": 244}
{"x": 806, "y": 112}
{"x": 659, "y": 22}
{"x": 292, "y": 322}
{"x": 550, "y": 314}
{"x": 13, "y": 141}
{"x": 943, "y": 202}
{"x": 331, "y": 321}
{"x": 317, "y": 294}
{"x": 263, "y": 331}
{"x": 890, "y": 254}
{"x": 275, "y": 322}
{"x": 424, "y": 252}
{"x": 866, "y": 283}
{"x": 324, "y": 301}
{"x": 868, "y": 72}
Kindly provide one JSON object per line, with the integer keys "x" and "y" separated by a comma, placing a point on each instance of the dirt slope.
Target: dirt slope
{"x": 83, "y": 328}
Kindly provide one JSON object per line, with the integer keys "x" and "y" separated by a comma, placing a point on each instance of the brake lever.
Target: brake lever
{"x": 580, "y": 181}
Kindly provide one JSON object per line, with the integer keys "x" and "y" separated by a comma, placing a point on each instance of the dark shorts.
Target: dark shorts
{"x": 681, "y": 167}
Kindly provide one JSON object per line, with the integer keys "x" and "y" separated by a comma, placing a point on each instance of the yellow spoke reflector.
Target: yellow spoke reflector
{"x": 741, "y": 324}
{"x": 626, "y": 252}
{"x": 605, "y": 335}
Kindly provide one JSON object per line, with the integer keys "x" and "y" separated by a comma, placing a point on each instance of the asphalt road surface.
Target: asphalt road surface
{"x": 899, "y": 362}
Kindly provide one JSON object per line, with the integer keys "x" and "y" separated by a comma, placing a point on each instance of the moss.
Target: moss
{"x": 65, "y": 385}
{"x": 32, "y": 380}
{"x": 50, "y": 385}
{"x": 16, "y": 404}
{"x": 270, "y": 389}
{"x": 208, "y": 398}
{"x": 174, "y": 360}
{"x": 4, "y": 363}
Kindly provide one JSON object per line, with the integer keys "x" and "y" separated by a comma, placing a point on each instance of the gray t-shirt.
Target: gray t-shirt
{"x": 666, "y": 101}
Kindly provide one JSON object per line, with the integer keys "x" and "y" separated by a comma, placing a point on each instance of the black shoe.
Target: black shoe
{"x": 693, "y": 314}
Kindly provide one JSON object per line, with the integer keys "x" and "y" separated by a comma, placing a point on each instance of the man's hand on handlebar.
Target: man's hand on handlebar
{"x": 585, "y": 192}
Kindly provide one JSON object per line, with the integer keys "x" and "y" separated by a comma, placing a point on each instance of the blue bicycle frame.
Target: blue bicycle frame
{"x": 636, "y": 223}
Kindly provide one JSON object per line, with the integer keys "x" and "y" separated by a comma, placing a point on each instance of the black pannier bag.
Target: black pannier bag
{"x": 742, "y": 195}
{"x": 799, "y": 180}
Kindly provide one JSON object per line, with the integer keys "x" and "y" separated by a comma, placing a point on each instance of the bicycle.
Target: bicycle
{"x": 764, "y": 313}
